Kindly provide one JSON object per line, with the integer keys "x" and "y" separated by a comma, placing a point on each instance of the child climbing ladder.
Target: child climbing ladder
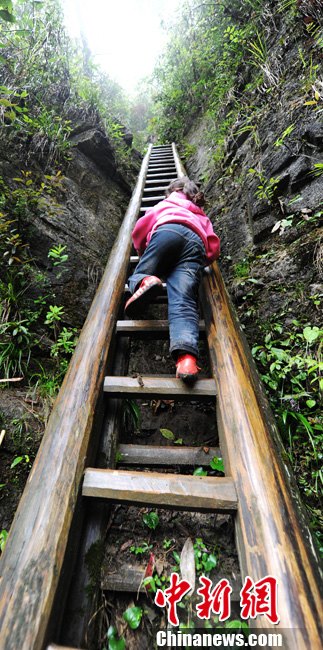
{"x": 176, "y": 240}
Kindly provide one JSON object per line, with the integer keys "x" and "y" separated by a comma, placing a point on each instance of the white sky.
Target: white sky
{"x": 124, "y": 36}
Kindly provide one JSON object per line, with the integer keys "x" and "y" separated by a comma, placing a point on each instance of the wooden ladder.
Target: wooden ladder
{"x": 153, "y": 488}
{"x": 272, "y": 534}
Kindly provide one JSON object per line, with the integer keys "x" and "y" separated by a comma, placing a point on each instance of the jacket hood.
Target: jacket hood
{"x": 179, "y": 198}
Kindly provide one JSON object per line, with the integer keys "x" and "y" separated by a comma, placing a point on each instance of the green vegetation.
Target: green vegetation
{"x": 140, "y": 550}
{"x": 133, "y": 616}
{"x": 267, "y": 188}
{"x": 151, "y": 520}
{"x": 45, "y": 78}
{"x": 205, "y": 561}
{"x": 197, "y": 73}
{"x": 3, "y": 539}
{"x": 291, "y": 367}
{"x": 114, "y": 642}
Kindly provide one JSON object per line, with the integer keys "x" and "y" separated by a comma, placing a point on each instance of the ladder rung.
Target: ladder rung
{"x": 129, "y": 579}
{"x": 156, "y": 180}
{"x": 164, "y": 162}
{"x": 155, "y": 189}
{"x": 161, "y": 161}
{"x": 162, "y": 149}
{"x": 204, "y": 493}
{"x": 142, "y": 327}
{"x": 165, "y": 387}
{"x": 54, "y": 646}
{"x": 165, "y": 455}
{"x": 161, "y": 156}
{"x": 149, "y": 199}
{"x": 162, "y": 166}
{"x": 150, "y": 175}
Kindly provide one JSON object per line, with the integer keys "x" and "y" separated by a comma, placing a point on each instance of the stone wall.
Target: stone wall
{"x": 84, "y": 214}
{"x": 289, "y": 94}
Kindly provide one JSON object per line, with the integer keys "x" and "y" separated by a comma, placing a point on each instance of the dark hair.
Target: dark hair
{"x": 189, "y": 188}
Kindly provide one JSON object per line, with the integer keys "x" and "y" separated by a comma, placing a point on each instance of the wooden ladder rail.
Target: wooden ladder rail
{"x": 272, "y": 532}
{"x": 79, "y": 621}
{"x": 33, "y": 559}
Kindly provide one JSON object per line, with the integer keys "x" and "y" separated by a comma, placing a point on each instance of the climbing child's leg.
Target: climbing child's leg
{"x": 145, "y": 282}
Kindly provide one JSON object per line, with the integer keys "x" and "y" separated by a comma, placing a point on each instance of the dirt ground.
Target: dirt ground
{"x": 22, "y": 419}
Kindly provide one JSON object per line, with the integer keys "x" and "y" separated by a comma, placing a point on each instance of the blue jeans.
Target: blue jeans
{"x": 176, "y": 253}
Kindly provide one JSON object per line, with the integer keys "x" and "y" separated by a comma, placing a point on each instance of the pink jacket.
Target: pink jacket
{"x": 176, "y": 209}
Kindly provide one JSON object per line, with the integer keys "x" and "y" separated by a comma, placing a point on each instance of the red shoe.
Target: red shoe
{"x": 149, "y": 288}
{"x": 187, "y": 368}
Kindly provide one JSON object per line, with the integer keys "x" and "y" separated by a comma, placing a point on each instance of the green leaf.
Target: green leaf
{"x": 199, "y": 471}
{"x": 149, "y": 582}
{"x": 280, "y": 354}
{"x": 210, "y": 563}
{"x": 311, "y": 334}
{"x": 151, "y": 520}
{"x": 217, "y": 464}
{"x": 7, "y": 16}
{"x": 167, "y": 433}
{"x": 3, "y": 539}
{"x": 114, "y": 642}
{"x": 16, "y": 461}
{"x": 6, "y": 4}
{"x": 133, "y": 616}
{"x": 179, "y": 441}
{"x": 176, "y": 557}
{"x": 237, "y": 625}
{"x": 5, "y": 102}
{"x": 310, "y": 403}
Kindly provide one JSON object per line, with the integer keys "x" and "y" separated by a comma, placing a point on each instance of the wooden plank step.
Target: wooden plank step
{"x": 156, "y": 189}
{"x": 165, "y": 455}
{"x": 152, "y": 182}
{"x": 152, "y": 199}
{"x": 159, "y": 160}
{"x": 163, "y": 156}
{"x": 162, "y": 147}
{"x": 54, "y": 646}
{"x": 162, "y": 173}
{"x": 164, "y": 387}
{"x": 151, "y": 328}
{"x": 128, "y": 579}
{"x": 194, "y": 493}
{"x": 161, "y": 166}
{"x": 169, "y": 170}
